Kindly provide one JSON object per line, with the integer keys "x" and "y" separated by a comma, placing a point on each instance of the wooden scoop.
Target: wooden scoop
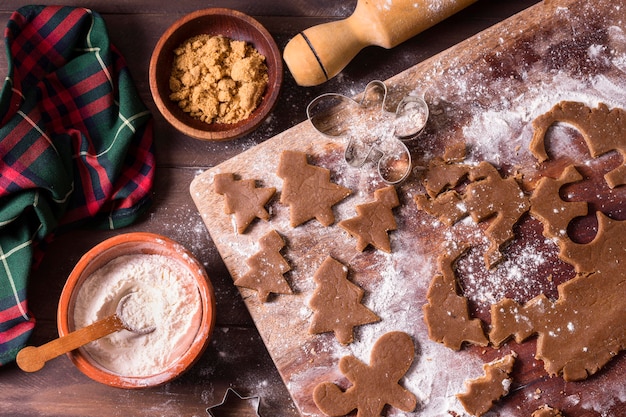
{"x": 321, "y": 52}
{"x": 32, "y": 359}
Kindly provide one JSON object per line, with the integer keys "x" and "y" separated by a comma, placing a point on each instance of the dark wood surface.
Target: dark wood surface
{"x": 236, "y": 357}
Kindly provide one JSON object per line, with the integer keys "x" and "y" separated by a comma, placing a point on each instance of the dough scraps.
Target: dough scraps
{"x": 584, "y": 328}
{"x": 308, "y": 190}
{"x": 484, "y": 391}
{"x": 447, "y": 172}
{"x": 546, "y": 411}
{"x": 337, "y": 303}
{"x": 374, "y": 385}
{"x": 243, "y": 199}
{"x": 488, "y": 196}
{"x": 447, "y": 313}
{"x": 267, "y": 268}
{"x": 603, "y": 131}
{"x": 374, "y": 220}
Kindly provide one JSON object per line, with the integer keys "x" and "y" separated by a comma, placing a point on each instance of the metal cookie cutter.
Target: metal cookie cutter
{"x": 375, "y": 135}
{"x": 255, "y": 401}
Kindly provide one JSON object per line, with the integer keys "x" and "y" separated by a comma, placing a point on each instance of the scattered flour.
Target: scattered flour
{"x": 494, "y": 117}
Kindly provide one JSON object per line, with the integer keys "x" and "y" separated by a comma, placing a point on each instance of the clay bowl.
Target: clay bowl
{"x": 213, "y": 21}
{"x": 139, "y": 243}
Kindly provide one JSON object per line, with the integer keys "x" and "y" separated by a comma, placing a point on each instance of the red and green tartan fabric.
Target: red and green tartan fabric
{"x": 76, "y": 144}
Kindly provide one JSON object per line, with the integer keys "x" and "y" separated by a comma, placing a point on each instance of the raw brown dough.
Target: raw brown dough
{"x": 447, "y": 314}
{"x": 484, "y": 391}
{"x": 448, "y": 207}
{"x": 546, "y": 199}
{"x": 217, "y": 79}
{"x": 455, "y": 152}
{"x": 604, "y": 130}
{"x": 374, "y": 220}
{"x": 442, "y": 175}
{"x": 546, "y": 411}
{"x": 307, "y": 189}
{"x": 337, "y": 303}
{"x": 267, "y": 268}
{"x": 243, "y": 199}
{"x": 445, "y": 173}
{"x": 488, "y": 196}
{"x": 374, "y": 385}
{"x": 585, "y": 327}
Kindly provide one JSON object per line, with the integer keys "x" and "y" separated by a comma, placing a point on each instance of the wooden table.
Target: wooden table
{"x": 236, "y": 356}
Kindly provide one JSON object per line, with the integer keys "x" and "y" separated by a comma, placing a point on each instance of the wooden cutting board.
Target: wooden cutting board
{"x": 485, "y": 92}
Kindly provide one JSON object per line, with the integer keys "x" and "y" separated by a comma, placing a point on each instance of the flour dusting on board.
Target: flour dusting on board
{"x": 485, "y": 94}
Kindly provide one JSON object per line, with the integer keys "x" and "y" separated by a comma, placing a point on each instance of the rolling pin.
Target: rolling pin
{"x": 321, "y": 52}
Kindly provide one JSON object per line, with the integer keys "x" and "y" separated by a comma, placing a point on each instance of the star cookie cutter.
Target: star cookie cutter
{"x": 375, "y": 135}
{"x": 254, "y": 400}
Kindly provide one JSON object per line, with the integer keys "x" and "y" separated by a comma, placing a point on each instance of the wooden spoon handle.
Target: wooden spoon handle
{"x": 31, "y": 358}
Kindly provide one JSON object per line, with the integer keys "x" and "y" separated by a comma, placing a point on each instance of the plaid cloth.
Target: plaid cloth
{"x": 75, "y": 141}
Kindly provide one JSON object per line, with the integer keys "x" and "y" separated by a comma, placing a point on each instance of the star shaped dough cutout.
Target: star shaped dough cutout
{"x": 374, "y": 220}
{"x": 232, "y": 405}
{"x": 308, "y": 190}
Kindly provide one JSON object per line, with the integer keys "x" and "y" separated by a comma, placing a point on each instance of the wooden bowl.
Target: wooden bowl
{"x": 214, "y": 21}
{"x": 128, "y": 244}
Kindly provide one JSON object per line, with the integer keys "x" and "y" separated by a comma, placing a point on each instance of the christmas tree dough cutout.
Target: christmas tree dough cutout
{"x": 243, "y": 199}
{"x": 308, "y": 190}
{"x": 267, "y": 268}
{"x": 482, "y": 392}
{"x": 375, "y": 385}
{"x": 337, "y": 303}
{"x": 374, "y": 220}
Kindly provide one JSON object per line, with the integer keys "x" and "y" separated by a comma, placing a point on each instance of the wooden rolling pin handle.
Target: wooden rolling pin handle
{"x": 32, "y": 359}
{"x": 321, "y": 52}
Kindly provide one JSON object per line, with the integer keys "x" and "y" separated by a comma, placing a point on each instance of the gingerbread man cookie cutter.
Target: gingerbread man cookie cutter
{"x": 375, "y": 135}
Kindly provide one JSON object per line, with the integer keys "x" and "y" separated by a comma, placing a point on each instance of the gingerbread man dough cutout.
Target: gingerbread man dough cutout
{"x": 374, "y": 385}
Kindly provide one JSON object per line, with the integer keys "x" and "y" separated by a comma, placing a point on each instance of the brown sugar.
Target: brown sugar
{"x": 218, "y": 80}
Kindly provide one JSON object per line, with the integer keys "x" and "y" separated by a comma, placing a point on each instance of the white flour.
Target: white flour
{"x": 171, "y": 301}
